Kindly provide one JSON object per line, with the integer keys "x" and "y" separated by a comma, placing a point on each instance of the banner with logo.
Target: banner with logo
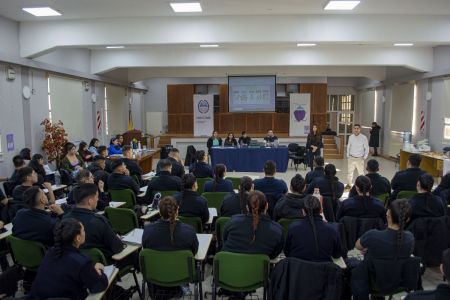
{"x": 299, "y": 115}
{"x": 203, "y": 115}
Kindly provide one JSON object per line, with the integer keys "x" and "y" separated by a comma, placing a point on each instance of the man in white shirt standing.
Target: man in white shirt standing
{"x": 357, "y": 152}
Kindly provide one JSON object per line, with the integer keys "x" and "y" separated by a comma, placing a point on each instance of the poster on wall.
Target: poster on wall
{"x": 10, "y": 142}
{"x": 299, "y": 116}
{"x": 203, "y": 115}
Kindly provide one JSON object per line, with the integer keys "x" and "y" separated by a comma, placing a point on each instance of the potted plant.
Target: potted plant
{"x": 55, "y": 137}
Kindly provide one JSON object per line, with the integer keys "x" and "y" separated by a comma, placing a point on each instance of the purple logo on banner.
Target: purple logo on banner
{"x": 10, "y": 142}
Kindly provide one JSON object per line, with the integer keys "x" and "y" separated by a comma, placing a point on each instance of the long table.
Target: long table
{"x": 250, "y": 159}
{"x": 144, "y": 159}
{"x": 432, "y": 163}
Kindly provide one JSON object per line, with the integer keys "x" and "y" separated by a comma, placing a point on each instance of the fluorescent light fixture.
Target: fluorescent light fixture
{"x": 181, "y": 7}
{"x": 115, "y": 47}
{"x": 341, "y": 5}
{"x": 209, "y": 46}
{"x": 403, "y": 44}
{"x": 306, "y": 45}
{"x": 41, "y": 11}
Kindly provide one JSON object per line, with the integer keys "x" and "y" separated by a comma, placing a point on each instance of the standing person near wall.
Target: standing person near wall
{"x": 374, "y": 140}
{"x": 313, "y": 144}
{"x": 357, "y": 153}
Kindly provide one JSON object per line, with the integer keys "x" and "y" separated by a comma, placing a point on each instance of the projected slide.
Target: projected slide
{"x": 256, "y": 93}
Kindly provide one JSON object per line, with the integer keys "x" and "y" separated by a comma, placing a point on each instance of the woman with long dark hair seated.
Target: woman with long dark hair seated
{"x": 85, "y": 154}
{"x": 37, "y": 164}
{"x": 313, "y": 239}
{"x": 424, "y": 203}
{"x": 93, "y": 147}
{"x": 65, "y": 272}
{"x": 114, "y": 147}
{"x": 72, "y": 161}
{"x": 219, "y": 184}
{"x": 234, "y": 204}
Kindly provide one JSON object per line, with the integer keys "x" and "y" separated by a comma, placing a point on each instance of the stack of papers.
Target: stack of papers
{"x": 134, "y": 237}
{"x": 108, "y": 270}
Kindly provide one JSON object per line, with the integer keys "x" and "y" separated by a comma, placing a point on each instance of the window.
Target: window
{"x": 446, "y": 128}
{"x": 341, "y": 103}
{"x": 106, "y": 112}
{"x": 49, "y": 100}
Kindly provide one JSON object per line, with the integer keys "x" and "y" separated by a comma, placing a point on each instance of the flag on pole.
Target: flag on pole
{"x": 130, "y": 120}
{"x": 422, "y": 122}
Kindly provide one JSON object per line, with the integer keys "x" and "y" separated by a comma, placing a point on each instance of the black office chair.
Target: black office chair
{"x": 297, "y": 155}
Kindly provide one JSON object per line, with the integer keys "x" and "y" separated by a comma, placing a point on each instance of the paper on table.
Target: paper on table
{"x": 134, "y": 237}
{"x": 61, "y": 201}
{"x": 108, "y": 270}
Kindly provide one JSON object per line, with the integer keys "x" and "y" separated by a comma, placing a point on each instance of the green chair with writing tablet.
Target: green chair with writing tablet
{"x": 125, "y": 195}
{"x": 122, "y": 220}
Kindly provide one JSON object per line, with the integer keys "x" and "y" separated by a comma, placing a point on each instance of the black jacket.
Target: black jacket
{"x": 244, "y": 140}
{"x": 354, "y": 228}
{"x": 99, "y": 174}
{"x": 209, "y": 143}
{"x": 221, "y": 185}
{"x": 362, "y": 207}
{"x": 34, "y": 225}
{"x": 324, "y": 185}
{"x": 374, "y": 140}
{"x": 177, "y": 168}
{"x": 405, "y": 180}
{"x": 118, "y": 181}
{"x": 238, "y": 235}
{"x": 444, "y": 185}
{"x": 442, "y": 292}
{"x": 231, "y": 142}
{"x": 164, "y": 182}
{"x": 314, "y": 140}
{"x": 427, "y": 205}
{"x": 201, "y": 170}
{"x": 289, "y": 206}
{"x": 380, "y": 184}
{"x": 192, "y": 205}
{"x": 318, "y": 172}
{"x": 294, "y": 279}
{"x": 99, "y": 233}
{"x": 231, "y": 205}
{"x": 133, "y": 167}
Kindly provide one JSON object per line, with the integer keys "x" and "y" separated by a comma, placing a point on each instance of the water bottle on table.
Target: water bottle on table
{"x": 57, "y": 178}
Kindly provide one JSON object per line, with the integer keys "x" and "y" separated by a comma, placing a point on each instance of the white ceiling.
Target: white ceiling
{"x": 88, "y": 9}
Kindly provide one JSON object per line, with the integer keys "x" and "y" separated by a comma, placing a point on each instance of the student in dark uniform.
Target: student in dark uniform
{"x": 406, "y": 180}
{"x": 244, "y": 139}
{"x": 313, "y": 239}
{"x": 291, "y": 205}
{"x": 380, "y": 184}
{"x": 99, "y": 233}
{"x": 164, "y": 182}
{"x": 362, "y": 205}
{"x": 200, "y": 168}
{"x": 230, "y": 141}
{"x": 37, "y": 164}
{"x": 34, "y": 223}
{"x": 84, "y": 176}
{"x": 318, "y": 171}
{"x": 424, "y": 203}
{"x": 177, "y": 164}
{"x": 97, "y": 168}
{"x": 313, "y": 145}
{"x": 120, "y": 178}
{"x": 254, "y": 232}
{"x": 219, "y": 184}
{"x": 131, "y": 164}
{"x": 213, "y": 141}
{"x": 329, "y": 185}
{"x": 234, "y": 204}
{"x": 443, "y": 185}
{"x": 190, "y": 203}
{"x": 388, "y": 244}
{"x": 65, "y": 272}
{"x": 19, "y": 163}
{"x": 270, "y": 138}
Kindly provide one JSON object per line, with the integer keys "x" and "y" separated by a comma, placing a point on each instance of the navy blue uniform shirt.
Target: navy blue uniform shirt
{"x": 201, "y": 170}
{"x": 192, "y": 205}
{"x": 222, "y": 185}
{"x": 118, "y": 181}
{"x": 164, "y": 182}
{"x": 318, "y": 172}
{"x": 405, "y": 180}
{"x": 362, "y": 207}
{"x": 421, "y": 207}
{"x": 231, "y": 205}
{"x": 324, "y": 184}
{"x": 289, "y": 206}
{"x": 34, "y": 225}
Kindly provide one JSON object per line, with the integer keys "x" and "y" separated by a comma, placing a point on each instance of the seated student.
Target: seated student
{"x": 234, "y": 204}
{"x": 444, "y": 185}
{"x": 83, "y": 151}
{"x": 114, "y": 147}
{"x": 84, "y": 176}
{"x": 4, "y": 201}
{"x": 318, "y": 171}
{"x": 65, "y": 272}
{"x": 388, "y": 244}
{"x": 380, "y": 184}
{"x": 272, "y": 188}
{"x": 230, "y": 141}
{"x": 244, "y": 140}
{"x": 313, "y": 239}
{"x": 329, "y": 185}
{"x": 19, "y": 163}
{"x": 406, "y": 180}
{"x": 362, "y": 205}
{"x": 97, "y": 168}
{"x": 254, "y": 232}
{"x": 72, "y": 161}
{"x": 200, "y": 168}
{"x": 103, "y": 151}
{"x": 424, "y": 203}
{"x": 119, "y": 137}
{"x": 219, "y": 184}
{"x": 177, "y": 163}
{"x": 120, "y": 178}
{"x": 290, "y": 205}
{"x": 131, "y": 164}
{"x": 442, "y": 291}
{"x": 213, "y": 141}
{"x": 35, "y": 223}
{"x": 164, "y": 182}
{"x": 270, "y": 138}
{"x": 37, "y": 164}
{"x": 99, "y": 233}
{"x": 93, "y": 147}
{"x": 190, "y": 203}
{"x": 25, "y": 153}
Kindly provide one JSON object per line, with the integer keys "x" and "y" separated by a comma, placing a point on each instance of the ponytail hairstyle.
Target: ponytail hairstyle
{"x": 81, "y": 147}
{"x": 244, "y": 188}
{"x": 330, "y": 173}
{"x": 298, "y": 183}
{"x": 199, "y": 155}
{"x": 364, "y": 186}
{"x": 31, "y": 196}
{"x": 256, "y": 202}
{"x": 401, "y": 212}
{"x": 65, "y": 232}
{"x": 219, "y": 173}
{"x": 35, "y": 165}
{"x": 426, "y": 182}
{"x": 313, "y": 208}
{"x": 187, "y": 183}
{"x": 168, "y": 208}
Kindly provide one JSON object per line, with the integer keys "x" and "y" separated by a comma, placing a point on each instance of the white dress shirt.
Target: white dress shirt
{"x": 357, "y": 146}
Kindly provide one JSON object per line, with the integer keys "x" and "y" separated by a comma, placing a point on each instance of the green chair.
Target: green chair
{"x": 195, "y": 222}
{"x": 239, "y": 272}
{"x": 136, "y": 179}
{"x": 220, "y": 225}
{"x": 215, "y": 199}
{"x": 406, "y": 194}
{"x": 383, "y": 197}
{"x": 285, "y": 223}
{"x": 166, "y": 193}
{"x": 236, "y": 181}
{"x": 167, "y": 269}
{"x": 201, "y": 184}
{"x": 95, "y": 255}
{"x": 27, "y": 254}
{"x": 122, "y": 220}
{"x": 125, "y": 195}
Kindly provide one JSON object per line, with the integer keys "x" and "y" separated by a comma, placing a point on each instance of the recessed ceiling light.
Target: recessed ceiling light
{"x": 341, "y": 5}
{"x": 41, "y": 11}
{"x": 209, "y": 46}
{"x": 186, "y": 7}
{"x": 306, "y": 45}
{"x": 115, "y": 47}
{"x": 403, "y": 44}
